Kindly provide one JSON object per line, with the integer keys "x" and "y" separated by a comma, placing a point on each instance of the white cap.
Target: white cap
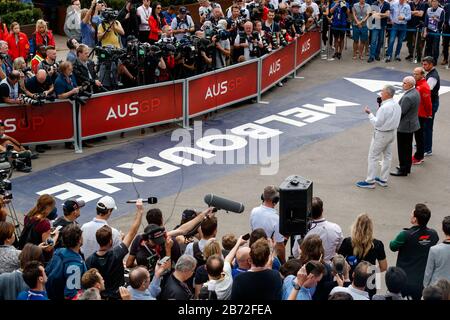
{"x": 107, "y": 202}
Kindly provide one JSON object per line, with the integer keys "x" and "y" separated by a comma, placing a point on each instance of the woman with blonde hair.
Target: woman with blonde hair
{"x": 37, "y": 226}
{"x": 42, "y": 36}
{"x": 201, "y": 275}
{"x": 362, "y": 245}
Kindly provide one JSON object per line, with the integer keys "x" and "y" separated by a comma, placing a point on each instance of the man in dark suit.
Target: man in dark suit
{"x": 84, "y": 69}
{"x": 409, "y": 123}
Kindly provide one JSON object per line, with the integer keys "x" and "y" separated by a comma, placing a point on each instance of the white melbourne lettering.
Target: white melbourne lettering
{"x": 104, "y": 184}
{"x": 72, "y": 191}
{"x": 142, "y": 170}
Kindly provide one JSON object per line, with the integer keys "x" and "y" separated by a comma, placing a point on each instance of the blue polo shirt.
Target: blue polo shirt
{"x": 32, "y": 295}
{"x": 62, "y": 85}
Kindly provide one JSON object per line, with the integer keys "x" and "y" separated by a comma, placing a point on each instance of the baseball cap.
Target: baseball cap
{"x": 70, "y": 206}
{"x": 106, "y": 202}
{"x": 182, "y": 10}
{"x": 155, "y": 233}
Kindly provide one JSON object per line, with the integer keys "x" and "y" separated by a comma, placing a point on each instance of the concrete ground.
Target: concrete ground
{"x": 333, "y": 164}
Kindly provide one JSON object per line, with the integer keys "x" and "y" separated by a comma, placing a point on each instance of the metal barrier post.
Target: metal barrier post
{"x": 383, "y": 44}
{"x": 415, "y": 46}
{"x": 259, "y": 83}
{"x": 185, "y": 104}
{"x": 78, "y": 143}
{"x": 329, "y": 46}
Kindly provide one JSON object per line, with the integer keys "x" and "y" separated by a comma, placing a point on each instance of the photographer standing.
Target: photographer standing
{"x": 182, "y": 25}
{"x": 245, "y": 42}
{"x": 272, "y": 30}
{"x": 144, "y": 13}
{"x": 222, "y": 52}
{"x": 49, "y": 64}
{"x": 380, "y": 14}
{"x": 339, "y": 12}
{"x": 109, "y": 32}
{"x": 434, "y": 20}
{"x": 361, "y": 12}
{"x": 84, "y": 69}
{"x": 9, "y": 88}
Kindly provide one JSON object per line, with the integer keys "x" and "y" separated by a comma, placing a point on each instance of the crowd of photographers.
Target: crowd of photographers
{"x": 56, "y": 258}
{"x": 141, "y": 44}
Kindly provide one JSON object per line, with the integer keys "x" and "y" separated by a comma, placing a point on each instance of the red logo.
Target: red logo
{"x": 424, "y": 238}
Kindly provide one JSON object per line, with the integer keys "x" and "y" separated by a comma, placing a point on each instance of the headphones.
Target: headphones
{"x": 275, "y": 199}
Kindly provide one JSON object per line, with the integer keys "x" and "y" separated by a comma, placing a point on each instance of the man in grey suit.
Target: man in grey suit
{"x": 409, "y": 123}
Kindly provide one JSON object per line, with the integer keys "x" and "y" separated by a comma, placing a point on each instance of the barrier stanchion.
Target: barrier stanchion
{"x": 77, "y": 144}
{"x": 185, "y": 104}
{"x": 416, "y": 42}
{"x": 329, "y": 46}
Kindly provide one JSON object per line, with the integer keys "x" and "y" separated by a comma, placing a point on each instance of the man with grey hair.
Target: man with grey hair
{"x": 385, "y": 122}
{"x": 409, "y": 123}
{"x": 175, "y": 287}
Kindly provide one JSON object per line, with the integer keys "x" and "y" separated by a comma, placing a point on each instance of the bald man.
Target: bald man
{"x": 409, "y": 123}
{"x": 40, "y": 84}
{"x": 242, "y": 260}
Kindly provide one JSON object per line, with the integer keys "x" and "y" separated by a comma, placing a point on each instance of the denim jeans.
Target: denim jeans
{"x": 398, "y": 30}
{"x": 376, "y": 42}
{"x": 428, "y": 130}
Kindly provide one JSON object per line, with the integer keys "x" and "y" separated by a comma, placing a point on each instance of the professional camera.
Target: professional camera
{"x": 30, "y": 101}
{"x": 4, "y": 56}
{"x": 343, "y": 4}
{"x": 256, "y": 11}
{"x": 205, "y": 12}
{"x": 273, "y": 40}
{"x": 109, "y": 53}
{"x": 5, "y": 174}
{"x": 11, "y": 159}
{"x": 283, "y": 41}
{"x": 109, "y": 15}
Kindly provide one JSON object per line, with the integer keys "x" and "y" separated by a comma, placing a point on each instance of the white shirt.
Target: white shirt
{"x": 176, "y": 24}
{"x": 190, "y": 247}
{"x": 313, "y": 5}
{"x": 387, "y": 117}
{"x": 355, "y": 293}
{"x": 331, "y": 235}
{"x": 267, "y": 219}
{"x": 144, "y": 13}
{"x": 223, "y": 286}
{"x": 90, "y": 244}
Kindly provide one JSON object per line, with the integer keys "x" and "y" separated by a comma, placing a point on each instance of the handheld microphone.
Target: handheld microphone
{"x": 150, "y": 200}
{"x": 222, "y": 203}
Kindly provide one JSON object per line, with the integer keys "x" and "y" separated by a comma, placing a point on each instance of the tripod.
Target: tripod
{"x": 14, "y": 218}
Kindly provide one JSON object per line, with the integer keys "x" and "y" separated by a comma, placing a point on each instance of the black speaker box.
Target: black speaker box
{"x": 295, "y": 205}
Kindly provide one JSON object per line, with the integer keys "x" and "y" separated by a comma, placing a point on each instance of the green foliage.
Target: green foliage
{"x": 23, "y": 17}
{"x": 7, "y": 7}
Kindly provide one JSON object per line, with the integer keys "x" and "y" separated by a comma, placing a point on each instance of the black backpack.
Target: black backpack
{"x": 29, "y": 235}
{"x": 198, "y": 254}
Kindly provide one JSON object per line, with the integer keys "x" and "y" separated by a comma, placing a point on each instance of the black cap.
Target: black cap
{"x": 70, "y": 206}
{"x": 182, "y": 10}
{"x": 155, "y": 233}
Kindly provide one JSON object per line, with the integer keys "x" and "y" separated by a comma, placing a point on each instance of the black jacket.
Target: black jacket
{"x": 82, "y": 73}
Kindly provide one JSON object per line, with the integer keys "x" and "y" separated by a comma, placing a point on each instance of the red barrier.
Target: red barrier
{"x": 222, "y": 87}
{"x": 33, "y": 124}
{"x": 123, "y": 110}
{"x": 307, "y": 46}
{"x": 277, "y": 65}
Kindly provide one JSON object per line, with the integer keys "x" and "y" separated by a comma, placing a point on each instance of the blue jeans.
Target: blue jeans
{"x": 376, "y": 42}
{"x": 428, "y": 130}
{"x": 398, "y": 30}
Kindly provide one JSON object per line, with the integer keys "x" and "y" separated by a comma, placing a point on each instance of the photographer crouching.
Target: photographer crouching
{"x": 14, "y": 152}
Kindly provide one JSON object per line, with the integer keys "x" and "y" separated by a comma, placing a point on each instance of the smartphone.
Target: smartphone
{"x": 163, "y": 260}
{"x": 56, "y": 229}
{"x": 309, "y": 267}
{"x": 246, "y": 236}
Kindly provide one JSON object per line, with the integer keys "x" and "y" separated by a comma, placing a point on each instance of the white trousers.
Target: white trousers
{"x": 381, "y": 146}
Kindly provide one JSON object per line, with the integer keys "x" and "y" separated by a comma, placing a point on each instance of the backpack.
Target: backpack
{"x": 198, "y": 254}
{"x": 56, "y": 280}
{"x": 29, "y": 235}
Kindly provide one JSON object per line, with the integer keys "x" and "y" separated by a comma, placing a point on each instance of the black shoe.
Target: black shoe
{"x": 87, "y": 145}
{"x": 40, "y": 149}
{"x": 377, "y": 58}
{"x": 370, "y": 60}
{"x": 335, "y": 55}
{"x": 398, "y": 59}
{"x": 34, "y": 156}
{"x": 46, "y": 147}
{"x": 388, "y": 59}
{"x": 409, "y": 57}
{"x": 339, "y": 56}
{"x": 69, "y": 145}
{"x": 399, "y": 173}
{"x": 25, "y": 169}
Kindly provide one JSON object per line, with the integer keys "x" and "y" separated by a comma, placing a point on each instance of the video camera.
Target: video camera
{"x": 109, "y": 15}
{"x": 109, "y": 53}
{"x": 5, "y": 184}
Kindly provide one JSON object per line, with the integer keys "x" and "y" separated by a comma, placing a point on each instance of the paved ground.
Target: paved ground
{"x": 333, "y": 164}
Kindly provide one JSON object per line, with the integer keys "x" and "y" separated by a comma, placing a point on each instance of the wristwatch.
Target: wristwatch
{"x": 296, "y": 285}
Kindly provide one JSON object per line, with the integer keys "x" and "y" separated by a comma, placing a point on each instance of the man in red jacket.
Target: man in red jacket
{"x": 17, "y": 43}
{"x": 425, "y": 111}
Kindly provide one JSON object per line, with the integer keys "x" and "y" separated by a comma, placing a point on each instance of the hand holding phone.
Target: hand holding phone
{"x": 246, "y": 236}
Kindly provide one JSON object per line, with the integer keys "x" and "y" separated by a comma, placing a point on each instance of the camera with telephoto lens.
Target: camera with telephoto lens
{"x": 109, "y": 15}
{"x": 109, "y": 53}
{"x": 5, "y": 174}
{"x": 30, "y": 101}
{"x": 256, "y": 11}
{"x": 273, "y": 40}
{"x": 283, "y": 40}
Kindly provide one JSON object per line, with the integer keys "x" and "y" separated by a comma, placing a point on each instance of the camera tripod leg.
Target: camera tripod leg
{"x": 14, "y": 219}
{"x": 415, "y": 46}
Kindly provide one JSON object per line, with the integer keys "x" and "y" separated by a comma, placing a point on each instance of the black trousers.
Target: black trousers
{"x": 419, "y": 136}
{"x": 404, "y": 146}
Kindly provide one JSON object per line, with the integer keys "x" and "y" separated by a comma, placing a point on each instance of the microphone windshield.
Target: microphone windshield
{"x": 222, "y": 203}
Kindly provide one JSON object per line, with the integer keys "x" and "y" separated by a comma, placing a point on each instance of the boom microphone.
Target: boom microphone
{"x": 222, "y": 203}
{"x": 151, "y": 200}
